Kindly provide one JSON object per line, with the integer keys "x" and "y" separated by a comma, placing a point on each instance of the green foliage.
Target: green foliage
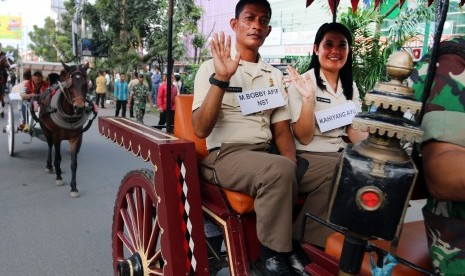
{"x": 53, "y": 42}
{"x": 370, "y": 50}
{"x": 302, "y": 63}
{"x": 125, "y": 28}
{"x": 189, "y": 77}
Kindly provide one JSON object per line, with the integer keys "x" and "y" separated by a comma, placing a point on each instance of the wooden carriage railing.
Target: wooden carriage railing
{"x": 232, "y": 211}
{"x": 169, "y": 156}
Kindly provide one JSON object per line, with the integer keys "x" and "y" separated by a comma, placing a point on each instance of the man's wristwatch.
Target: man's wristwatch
{"x": 220, "y": 84}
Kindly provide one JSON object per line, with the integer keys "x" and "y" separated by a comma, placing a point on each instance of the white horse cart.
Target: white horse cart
{"x": 15, "y": 104}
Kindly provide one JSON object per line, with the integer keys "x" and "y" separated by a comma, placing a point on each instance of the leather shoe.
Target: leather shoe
{"x": 296, "y": 265}
{"x": 273, "y": 266}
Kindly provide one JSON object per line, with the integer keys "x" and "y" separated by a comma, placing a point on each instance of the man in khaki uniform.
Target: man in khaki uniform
{"x": 239, "y": 144}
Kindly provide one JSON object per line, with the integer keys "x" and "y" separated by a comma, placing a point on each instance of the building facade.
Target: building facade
{"x": 294, "y": 26}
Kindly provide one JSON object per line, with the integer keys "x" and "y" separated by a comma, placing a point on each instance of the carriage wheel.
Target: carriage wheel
{"x": 136, "y": 231}
{"x": 10, "y": 129}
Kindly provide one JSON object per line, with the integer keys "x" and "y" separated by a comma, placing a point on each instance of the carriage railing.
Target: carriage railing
{"x": 176, "y": 184}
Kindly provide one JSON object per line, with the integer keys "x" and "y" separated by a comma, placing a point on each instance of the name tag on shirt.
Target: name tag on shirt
{"x": 260, "y": 99}
{"x": 233, "y": 89}
{"x": 324, "y": 100}
{"x": 335, "y": 117}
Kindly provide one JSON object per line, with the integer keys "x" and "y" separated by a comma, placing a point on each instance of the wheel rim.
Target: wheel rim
{"x": 136, "y": 230}
{"x": 10, "y": 130}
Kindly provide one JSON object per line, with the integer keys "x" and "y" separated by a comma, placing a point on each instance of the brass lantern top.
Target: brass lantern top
{"x": 387, "y": 126}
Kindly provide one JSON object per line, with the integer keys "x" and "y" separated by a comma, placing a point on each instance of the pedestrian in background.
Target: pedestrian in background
{"x": 134, "y": 80}
{"x": 162, "y": 101}
{"x": 140, "y": 94}
{"x": 101, "y": 89}
{"x": 108, "y": 80}
{"x": 156, "y": 79}
{"x": 121, "y": 93}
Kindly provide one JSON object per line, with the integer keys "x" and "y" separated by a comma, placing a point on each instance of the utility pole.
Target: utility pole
{"x": 74, "y": 29}
{"x": 169, "y": 73}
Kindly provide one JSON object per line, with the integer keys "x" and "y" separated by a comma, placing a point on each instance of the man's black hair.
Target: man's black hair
{"x": 27, "y": 75}
{"x": 241, "y": 4}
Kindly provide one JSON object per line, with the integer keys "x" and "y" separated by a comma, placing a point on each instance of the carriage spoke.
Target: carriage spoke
{"x": 148, "y": 220}
{"x": 153, "y": 237}
{"x": 127, "y": 224}
{"x": 140, "y": 215}
{"x": 155, "y": 257}
{"x": 133, "y": 215}
{"x": 155, "y": 272}
{"x": 126, "y": 242}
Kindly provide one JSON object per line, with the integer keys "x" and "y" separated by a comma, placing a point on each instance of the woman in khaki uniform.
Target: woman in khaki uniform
{"x": 327, "y": 84}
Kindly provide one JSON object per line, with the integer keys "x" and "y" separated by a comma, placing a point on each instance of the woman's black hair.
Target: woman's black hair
{"x": 345, "y": 74}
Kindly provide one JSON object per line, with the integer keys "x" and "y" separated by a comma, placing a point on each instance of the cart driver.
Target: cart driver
{"x": 239, "y": 132}
{"x": 33, "y": 87}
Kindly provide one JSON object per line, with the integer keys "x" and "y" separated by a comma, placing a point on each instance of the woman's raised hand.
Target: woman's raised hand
{"x": 225, "y": 66}
{"x": 305, "y": 85}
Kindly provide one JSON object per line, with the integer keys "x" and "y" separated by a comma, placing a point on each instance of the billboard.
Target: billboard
{"x": 90, "y": 47}
{"x": 11, "y": 27}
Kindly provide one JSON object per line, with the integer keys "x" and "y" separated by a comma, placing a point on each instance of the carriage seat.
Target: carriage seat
{"x": 241, "y": 203}
{"x": 413, "y": 247}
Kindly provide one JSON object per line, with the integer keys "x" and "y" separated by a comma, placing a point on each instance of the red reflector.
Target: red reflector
{"x": 370, "y": 199}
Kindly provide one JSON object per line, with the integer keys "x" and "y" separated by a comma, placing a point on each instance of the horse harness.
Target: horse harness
{"x": 56, "y": 112}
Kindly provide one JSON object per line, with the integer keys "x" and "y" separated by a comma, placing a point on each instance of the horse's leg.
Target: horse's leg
{"x": 75, "y": 146}
{"x": 48, "y": 166}
{"x": 57, "y": 162}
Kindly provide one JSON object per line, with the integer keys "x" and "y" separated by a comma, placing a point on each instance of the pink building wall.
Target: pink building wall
{"x": 215, "y": 18}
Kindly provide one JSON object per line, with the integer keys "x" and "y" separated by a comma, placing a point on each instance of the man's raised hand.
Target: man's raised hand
{"x": 225, "y": 66}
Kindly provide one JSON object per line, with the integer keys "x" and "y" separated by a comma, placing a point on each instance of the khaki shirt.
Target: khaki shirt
{"x": 232, "y": 126}
{"x": 329, "y": 141}
{"x": 101, "y": 86}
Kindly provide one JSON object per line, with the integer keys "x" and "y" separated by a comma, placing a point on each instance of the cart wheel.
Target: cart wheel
{"x": 10, "y": 129}
{"x": 136, "y": 231}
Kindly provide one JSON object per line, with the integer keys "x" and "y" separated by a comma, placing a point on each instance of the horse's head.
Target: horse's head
{"x": 76, "y": 86}
{"x": 7, "y": 61}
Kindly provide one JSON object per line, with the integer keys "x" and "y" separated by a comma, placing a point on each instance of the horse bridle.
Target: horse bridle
{"x": 69, "y": 83}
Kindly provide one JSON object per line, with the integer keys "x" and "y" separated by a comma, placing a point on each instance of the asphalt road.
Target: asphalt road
{"x": 42, "y": 230}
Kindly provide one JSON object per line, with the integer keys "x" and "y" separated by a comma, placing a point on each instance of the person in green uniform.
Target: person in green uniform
{"x": 443, "y": 155}
{"x": 140, "y": 94}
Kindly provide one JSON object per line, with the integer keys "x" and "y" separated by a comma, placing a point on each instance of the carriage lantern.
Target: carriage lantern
{"x": 375, "y": 177}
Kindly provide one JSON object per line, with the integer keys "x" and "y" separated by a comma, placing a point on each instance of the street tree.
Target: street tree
{"x": 136, "y": 32}
{"x": 53, "y": 42}
{"x": 371, "y": 50}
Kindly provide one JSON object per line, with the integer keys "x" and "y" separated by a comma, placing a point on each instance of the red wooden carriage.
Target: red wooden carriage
{"x": 159, "y": 216}
{"x": 158, "y": 223}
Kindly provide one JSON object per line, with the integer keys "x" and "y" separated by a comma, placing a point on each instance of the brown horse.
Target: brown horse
{"x": 64, "y": 110}
{"x": 4, "y": 67}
